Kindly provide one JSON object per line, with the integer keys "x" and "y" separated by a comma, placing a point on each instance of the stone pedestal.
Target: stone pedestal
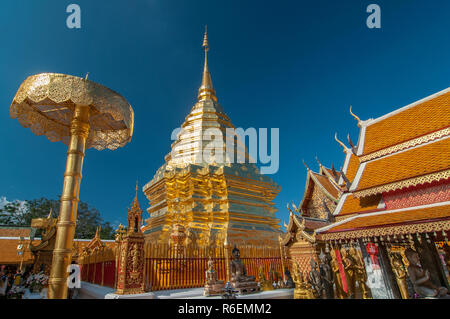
{"x": 245, "y": 287}
{"x": 213, "y": 289}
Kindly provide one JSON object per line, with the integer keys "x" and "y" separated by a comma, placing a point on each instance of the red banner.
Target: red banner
{"x": 372, "y": 250}
{"x": 341, "y": 270}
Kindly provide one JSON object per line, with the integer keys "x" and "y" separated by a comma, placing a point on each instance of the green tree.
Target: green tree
{"x": 20, "y": 213}
{"x": 14, "y": 213}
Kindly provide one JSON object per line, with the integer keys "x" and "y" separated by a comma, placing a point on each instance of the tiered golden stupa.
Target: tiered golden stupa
{"x": 214, "y": 199}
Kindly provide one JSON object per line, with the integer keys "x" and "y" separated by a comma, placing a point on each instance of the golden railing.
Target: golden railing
{"x": 167, "y": 267}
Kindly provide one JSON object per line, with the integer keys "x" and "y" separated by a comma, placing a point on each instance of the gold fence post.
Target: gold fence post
{"x": 282, "y": 259}
{"x": 227, "y": 258}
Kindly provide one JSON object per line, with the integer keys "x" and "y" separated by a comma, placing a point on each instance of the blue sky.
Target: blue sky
{"x": 295, "y": 65}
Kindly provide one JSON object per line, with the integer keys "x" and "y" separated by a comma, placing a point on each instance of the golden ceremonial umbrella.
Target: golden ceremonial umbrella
{"x": 81, "y": 114}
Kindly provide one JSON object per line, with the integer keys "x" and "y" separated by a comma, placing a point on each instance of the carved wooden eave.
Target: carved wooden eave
{"x": 296, "y": 229}
{"x": 308, "y": 187}
{"x": 96, "y": 242}
{"x": 49, "y": 225}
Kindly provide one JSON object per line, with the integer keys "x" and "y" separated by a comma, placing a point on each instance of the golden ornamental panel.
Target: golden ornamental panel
{"x": 388, "y": 231}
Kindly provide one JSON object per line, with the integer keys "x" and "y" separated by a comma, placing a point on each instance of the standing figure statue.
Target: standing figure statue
{"x": 289, "y": 282}
{"x": 327, "y": 275}
{"x": 340, "y": 293}
{"x": 420, "y": 277}
{"x": 360, "y": 272}
{"x": 240, "y": 281}
{"x": 315, "y": 280}
{"x": 400, "y": 273}
{"x": 349, "y": 268}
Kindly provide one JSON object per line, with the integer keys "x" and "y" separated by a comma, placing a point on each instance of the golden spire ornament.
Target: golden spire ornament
{"x": 82, "y": 114}
{"x": 206, "y": 90}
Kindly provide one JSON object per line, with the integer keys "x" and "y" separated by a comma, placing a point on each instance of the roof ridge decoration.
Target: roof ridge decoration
{"x": 345, "y": 148}
{"x": 356, "y": 118}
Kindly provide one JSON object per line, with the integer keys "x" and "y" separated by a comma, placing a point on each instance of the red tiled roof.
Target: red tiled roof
{"x": 404, "y": 125}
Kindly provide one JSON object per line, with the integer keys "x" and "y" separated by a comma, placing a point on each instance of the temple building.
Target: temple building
{"x": 392, "y": 200}
{"x": 202, "y": 187}
{"x": 320, "y": 198}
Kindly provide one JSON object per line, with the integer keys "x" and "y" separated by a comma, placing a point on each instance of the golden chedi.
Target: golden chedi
{"x": 201, "y": 187}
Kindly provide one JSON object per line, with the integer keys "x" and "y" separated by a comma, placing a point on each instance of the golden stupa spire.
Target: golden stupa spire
{"x": 206, "y": 90}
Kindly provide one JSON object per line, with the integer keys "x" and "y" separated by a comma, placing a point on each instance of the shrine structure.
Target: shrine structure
{"x": 130, "y": 257}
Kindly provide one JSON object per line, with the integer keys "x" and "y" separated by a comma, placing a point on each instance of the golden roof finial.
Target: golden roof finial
{"x": 357, "y": 118}
{"x": 305, "y": 165}
{"x": 97, "y": 231}
{"x": 342, "y": 144}
{"x": 87, "y": 76}
{"x": 206, "y": 90}
{"x": 136, "y": 187}
{"x": 317, "y": 159}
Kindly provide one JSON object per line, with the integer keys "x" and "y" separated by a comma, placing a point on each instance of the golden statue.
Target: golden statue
{"x": 360, "y": 272}
{"x": 302, "y": 290}
{"x": 340, "y": 293}
{"x": 264, "y": 284}
{"x": 400, "y": 273}
{"x": 349, "y": 268}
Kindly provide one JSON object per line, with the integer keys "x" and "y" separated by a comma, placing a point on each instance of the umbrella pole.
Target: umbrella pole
{"x": 65, "y": 231}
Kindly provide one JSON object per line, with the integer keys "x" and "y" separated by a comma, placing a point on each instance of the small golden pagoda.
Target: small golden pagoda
{"x": 215, "y": 199}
